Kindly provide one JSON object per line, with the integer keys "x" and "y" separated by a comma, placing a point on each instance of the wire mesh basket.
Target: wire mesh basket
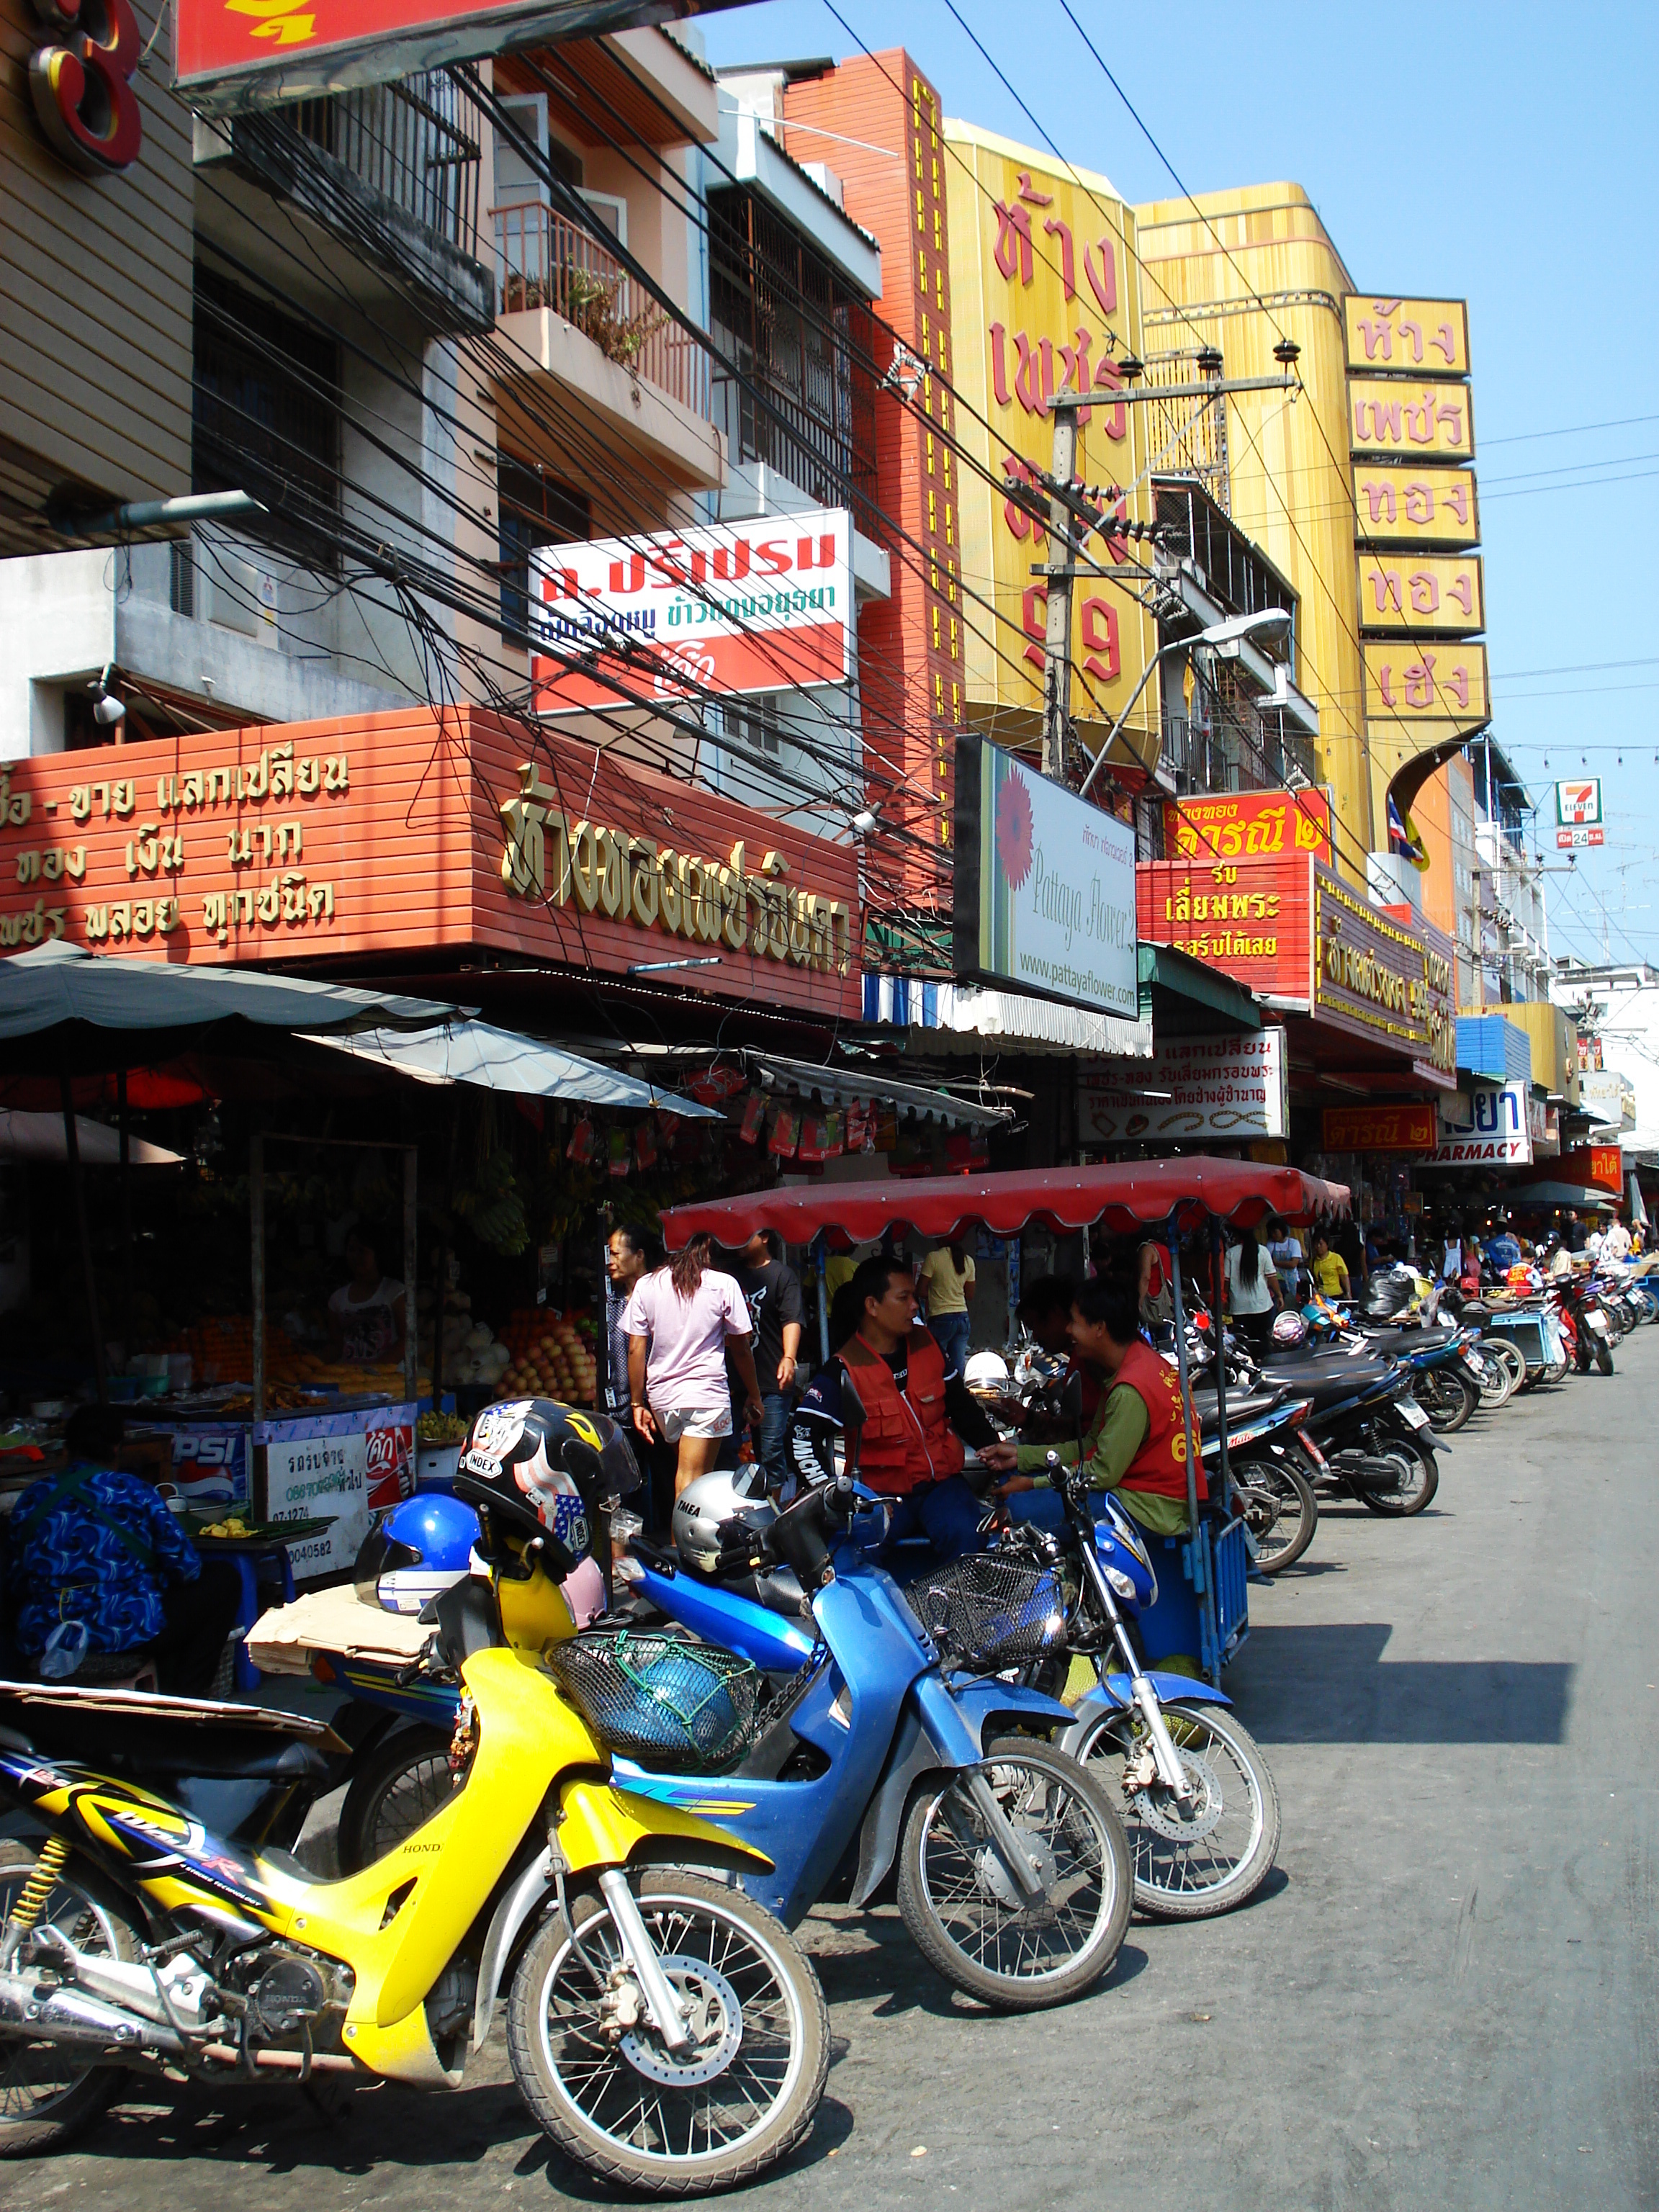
{"x": 986, "y": 1613}
{"x": 661, "y": 1700}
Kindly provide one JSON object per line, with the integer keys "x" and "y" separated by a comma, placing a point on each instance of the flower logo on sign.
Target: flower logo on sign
{"x": 1013, "y": 829}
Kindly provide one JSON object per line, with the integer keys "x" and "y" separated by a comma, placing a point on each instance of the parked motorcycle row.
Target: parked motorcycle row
{"x": 612, "y": 1776}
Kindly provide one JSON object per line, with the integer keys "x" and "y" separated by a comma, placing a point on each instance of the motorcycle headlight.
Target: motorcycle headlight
{"x": 1121, "y": 1582}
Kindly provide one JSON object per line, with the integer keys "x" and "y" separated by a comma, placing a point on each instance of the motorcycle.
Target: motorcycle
{"x": 1013, "y": 1875}
{"x": 1198, "y": 1801}
{"x": 1366, "y": 1434}
{"x": 663, "y": 2027}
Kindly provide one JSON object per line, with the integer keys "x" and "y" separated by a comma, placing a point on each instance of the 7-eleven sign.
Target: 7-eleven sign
{"x": 1578, "y": 813}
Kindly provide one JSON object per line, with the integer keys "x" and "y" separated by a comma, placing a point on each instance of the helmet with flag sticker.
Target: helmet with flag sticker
{"x": 535, "y": 1469}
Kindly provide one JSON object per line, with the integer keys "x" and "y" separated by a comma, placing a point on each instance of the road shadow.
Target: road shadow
{"x": 1332, "y": 1683}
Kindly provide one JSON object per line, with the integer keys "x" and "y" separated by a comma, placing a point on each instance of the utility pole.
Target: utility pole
{"x": 1057, "y": 637}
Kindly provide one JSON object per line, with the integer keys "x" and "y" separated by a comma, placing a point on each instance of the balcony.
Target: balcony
{"x": 567, "y": 304}
{"x": 389, "y": 170}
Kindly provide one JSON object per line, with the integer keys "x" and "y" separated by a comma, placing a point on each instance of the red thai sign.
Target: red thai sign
{"x": 248, "y": 53}
{"x": 416, "y": 831}
{"x": 1246, "y": 825}
{"x": 1412, "y": 1127}
{"x": 1251, "y": 919}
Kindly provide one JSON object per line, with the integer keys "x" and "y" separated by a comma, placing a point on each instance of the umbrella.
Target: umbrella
{"x": 44, "y": 1137}
{"x": 500, "y": 1060}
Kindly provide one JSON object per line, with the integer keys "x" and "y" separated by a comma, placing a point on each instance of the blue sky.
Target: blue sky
{"x": 1503, "y": 155}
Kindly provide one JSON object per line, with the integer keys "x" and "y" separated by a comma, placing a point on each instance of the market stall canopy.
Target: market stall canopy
{"x": 502, "y": 1060}
{"x": 1140, "y": 1194}
{"x": 61, "y": 991}
{"x": 41, "y": 1137}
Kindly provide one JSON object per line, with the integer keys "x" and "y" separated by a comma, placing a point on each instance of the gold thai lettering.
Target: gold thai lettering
{"x": 15, "y": 806}
{"x": 33, "y": 924}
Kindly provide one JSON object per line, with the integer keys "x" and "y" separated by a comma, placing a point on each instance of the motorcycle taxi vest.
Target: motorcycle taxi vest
{"x": 1160, "y": 1465}
{"x": 907, "y": 1438}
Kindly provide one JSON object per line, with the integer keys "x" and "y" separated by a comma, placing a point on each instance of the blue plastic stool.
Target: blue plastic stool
{"x": 247, "y": 1566}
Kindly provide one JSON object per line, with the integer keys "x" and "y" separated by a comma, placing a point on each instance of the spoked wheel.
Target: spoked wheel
{"x": 960, "y": 1902}
{"x": 1211, "y": 1852}
{"x": 1279, "y": 1509}
{"x": 1446, "y": 1398}
{"x": 49, "y": 2093}
{"x": 613, "y": 2094}
{"x": 402, "y": 1784}
{"x": 1500, "y": 1350}
{"x": 1497, "y": 1377}
{"x": 1419, "y": 1478}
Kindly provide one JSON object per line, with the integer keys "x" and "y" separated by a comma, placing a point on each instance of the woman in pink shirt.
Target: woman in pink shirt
{"x": 680, "y": 1322}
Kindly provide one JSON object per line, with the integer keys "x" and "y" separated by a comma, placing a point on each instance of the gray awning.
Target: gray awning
{"x": 502, "y": 1060}
{"x": 59, "y": 984}
{"x": 842, "y": 1084}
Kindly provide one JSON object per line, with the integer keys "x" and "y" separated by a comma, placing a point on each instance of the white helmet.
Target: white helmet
{"x": 986, "y": 1375}
{"x": 703, "y": 1505}
{"x": 1289, "y": 1327}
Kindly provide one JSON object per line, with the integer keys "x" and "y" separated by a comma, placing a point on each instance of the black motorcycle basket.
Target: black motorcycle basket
{"x": 660, "y": 1699}
{"x": 986, "y": 1613}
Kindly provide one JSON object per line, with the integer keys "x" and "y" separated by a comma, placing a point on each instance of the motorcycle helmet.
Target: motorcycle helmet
{"x": 537, "y": 1470}
{"x": 415, "y": 1551}
{"x": 703, "y": 1505}
{"x": 986, "y": 1375}
{"x": 1289, "y": 1328}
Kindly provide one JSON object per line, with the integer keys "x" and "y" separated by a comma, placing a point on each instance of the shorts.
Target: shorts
{"x": 693, "y": 1421}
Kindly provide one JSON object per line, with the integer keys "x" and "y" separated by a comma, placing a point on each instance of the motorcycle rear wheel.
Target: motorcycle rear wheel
{"x": 1604, "y": 1355}
{"x": 625, "y": 2108}
{"x": 1499, "y": 1348}
{"x": 1177, "y": 1879}
{"x": 1279, "y": 1510}
{"x": 49, "y": 2093}
{"x": 1419, "y": 1484}
{"x": 959, "y": 1905}
{"x": 1497, "y": 1378}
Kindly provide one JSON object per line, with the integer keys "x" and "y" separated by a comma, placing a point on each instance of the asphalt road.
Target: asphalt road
{"x": 1446, "y": 1995}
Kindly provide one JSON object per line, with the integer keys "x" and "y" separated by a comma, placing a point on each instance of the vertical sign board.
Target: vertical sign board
{"x": 1045, "y": 886}
{"x": 1578, "y": 813}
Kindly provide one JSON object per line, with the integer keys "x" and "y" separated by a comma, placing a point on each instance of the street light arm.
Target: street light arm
{"x": 1145, "y": 677}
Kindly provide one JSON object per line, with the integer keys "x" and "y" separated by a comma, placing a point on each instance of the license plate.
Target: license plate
{"x": 1413, "y": 1412}
{"x": 1598, "y": 1323}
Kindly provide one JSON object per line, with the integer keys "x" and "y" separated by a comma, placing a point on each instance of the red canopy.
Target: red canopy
{"x": 1140, "y": 1194}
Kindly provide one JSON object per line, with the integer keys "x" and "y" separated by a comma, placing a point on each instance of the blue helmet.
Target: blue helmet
{"x": 415, "y": 1551}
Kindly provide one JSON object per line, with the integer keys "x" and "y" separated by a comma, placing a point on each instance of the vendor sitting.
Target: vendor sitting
{"x": 94, "y": 1544}
{"x": 366, "y": 1314}
{"x": 1137, "y": 1442}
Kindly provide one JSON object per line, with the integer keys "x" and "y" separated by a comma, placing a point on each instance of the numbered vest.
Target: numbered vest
{"x": 1160, "y": 1465}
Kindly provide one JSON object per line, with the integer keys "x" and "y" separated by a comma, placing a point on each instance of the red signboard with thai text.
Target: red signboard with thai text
{"x": 1408, "y": 1127}
{"x": 413, "y": 831}
{"x": 1252, "y": 918}
{"x": 1248, "y": 825}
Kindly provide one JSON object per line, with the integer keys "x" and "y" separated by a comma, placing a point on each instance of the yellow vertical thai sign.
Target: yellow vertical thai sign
{"x": 1045, "y": 295}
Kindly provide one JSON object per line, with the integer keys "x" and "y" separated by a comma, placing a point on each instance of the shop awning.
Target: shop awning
{"x": 60, "y": 985}
{"x": 42, "y": 1137}
{"x": 502, "y": 1060}
{"x": 1140, "y": 1195}
{"x": 1521, "y": 1198}
{"x": 961, "y": 1016}
{"x": 842, "y": 1084}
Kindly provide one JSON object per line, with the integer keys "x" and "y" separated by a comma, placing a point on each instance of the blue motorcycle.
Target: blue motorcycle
{"x": 1193, "y": 1790}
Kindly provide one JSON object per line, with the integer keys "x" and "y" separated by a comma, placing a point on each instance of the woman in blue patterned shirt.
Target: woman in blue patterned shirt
{"x": 96, "y": 1545}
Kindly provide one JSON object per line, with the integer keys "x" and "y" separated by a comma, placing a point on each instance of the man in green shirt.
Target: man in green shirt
{"x": 1137, "y": 1443}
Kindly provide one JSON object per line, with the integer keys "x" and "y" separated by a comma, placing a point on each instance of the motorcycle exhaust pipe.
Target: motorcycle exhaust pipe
{"x": 70, "y": 2016}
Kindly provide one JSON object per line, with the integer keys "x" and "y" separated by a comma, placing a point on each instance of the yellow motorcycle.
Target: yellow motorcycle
{"x": 663, "y": 2030}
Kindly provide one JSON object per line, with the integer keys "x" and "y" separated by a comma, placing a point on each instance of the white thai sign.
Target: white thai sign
{"x": 1488, "y": 1125}
{"x": 1204, "y": 1086}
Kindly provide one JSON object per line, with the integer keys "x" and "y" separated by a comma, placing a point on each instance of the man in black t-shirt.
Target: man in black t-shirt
{"x": 772, "y": 1290}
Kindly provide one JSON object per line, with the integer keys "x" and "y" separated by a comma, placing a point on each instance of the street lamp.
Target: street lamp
{"x": 1229, "y": 632}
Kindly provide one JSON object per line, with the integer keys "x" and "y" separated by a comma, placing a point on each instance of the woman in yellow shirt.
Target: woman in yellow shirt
{"x": 1330, "y": 1270}
{"x": 947, "y": 1282}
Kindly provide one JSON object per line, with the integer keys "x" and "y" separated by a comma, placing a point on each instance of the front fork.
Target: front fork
{"x": 1171, "y": 1772}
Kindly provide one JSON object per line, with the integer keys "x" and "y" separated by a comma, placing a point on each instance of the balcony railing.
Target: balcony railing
{"x": 542, "y": 261}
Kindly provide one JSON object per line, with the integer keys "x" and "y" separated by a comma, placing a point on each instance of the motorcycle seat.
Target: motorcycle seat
{"x": 1329, "y": 1381}
{"x": 141, "y": 1737}
{"x": 1242, "y": 1405}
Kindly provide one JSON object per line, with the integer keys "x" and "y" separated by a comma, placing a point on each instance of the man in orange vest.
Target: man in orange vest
{"x": 917, "y": 1414}
{"x": 1137, "y": 1443}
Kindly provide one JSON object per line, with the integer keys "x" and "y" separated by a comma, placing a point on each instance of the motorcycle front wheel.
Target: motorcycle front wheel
{"x": 612, "y": 2094}
{"x": 1279, "y": 1509}
{"x": 1419, "y": 1478}
{"x": 1446, "y": 1398}
{"x": 1205, "y": 1856}
{"x": 959, "y": 1902}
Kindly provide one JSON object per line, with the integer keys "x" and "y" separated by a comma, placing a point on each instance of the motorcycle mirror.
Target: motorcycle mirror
{"x": 1070, "y": 1398}
{"x": 852, "y": 1405}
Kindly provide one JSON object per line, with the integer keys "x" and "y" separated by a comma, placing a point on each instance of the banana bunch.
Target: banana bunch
{"x": 494, "y": 1211}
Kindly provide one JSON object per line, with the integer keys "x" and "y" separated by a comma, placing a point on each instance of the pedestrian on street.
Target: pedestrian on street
{"x": 947, "y": 1283}
{"x": 681, "y": 1321}
{"x": 772, "y": 1291}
